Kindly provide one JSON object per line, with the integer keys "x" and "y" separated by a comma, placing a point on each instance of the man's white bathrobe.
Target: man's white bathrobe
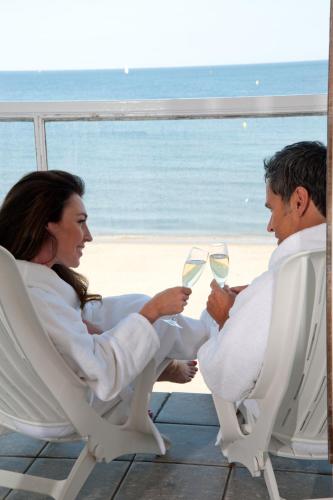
{"x": 108, "y": 362}
{"x": 231, "y": 360}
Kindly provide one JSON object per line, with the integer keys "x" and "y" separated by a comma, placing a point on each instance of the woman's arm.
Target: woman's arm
{"x": 108, "y": 362}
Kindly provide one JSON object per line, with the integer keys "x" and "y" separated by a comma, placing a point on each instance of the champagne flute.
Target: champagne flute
{"x": 192, "y": 270}
{"x": 219, "y": 262}
{"x": 194, "y": 266}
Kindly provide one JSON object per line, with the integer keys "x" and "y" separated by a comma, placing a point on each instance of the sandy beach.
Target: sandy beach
{"x": 149, "y": 264}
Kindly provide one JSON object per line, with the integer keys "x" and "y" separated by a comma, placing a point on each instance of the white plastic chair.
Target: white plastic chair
{"x": 38, "y": 388}
{"x": 290, "y": 392}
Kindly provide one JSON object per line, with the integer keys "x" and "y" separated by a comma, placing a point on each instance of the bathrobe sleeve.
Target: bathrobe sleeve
{"x": 184, "y": 343}
{"x": 107, "y": 362}
{"x": 231, "y": 360}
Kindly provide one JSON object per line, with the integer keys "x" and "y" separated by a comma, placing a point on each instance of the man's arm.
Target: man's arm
{"x": 231, "y": 360}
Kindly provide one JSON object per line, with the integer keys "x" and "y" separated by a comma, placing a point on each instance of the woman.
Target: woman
{"x": 107, "y": 342}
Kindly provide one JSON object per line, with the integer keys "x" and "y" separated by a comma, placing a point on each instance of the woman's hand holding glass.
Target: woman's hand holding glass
{"x": 192, "y": 270}
{"x": 168, "y": 302}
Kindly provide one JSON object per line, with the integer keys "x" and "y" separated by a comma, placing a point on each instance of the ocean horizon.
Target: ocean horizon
{"x": 164, "y": 177}
{"x": 127, "y": 67}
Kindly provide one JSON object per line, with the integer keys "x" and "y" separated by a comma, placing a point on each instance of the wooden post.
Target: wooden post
{"x": 329, "y": 245}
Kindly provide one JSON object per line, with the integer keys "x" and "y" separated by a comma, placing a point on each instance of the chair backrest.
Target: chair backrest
{"x": 33, "y": 375}
{"x": 292, "y": 383}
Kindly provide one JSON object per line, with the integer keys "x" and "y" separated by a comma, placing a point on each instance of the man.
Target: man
{"x": 231, "y": 359}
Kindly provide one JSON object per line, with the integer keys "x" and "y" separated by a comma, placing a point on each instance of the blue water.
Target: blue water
{"x": 182, "y": 177}
{"x": 162, "y": 83}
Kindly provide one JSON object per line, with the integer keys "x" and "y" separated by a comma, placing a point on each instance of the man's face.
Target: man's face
{"x": 282, "y": 221}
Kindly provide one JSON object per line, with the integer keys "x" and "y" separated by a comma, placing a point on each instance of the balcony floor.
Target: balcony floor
{"x": 192, "y": 469}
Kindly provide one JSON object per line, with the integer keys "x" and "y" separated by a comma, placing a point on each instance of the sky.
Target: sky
{"x": 92, "y": 34}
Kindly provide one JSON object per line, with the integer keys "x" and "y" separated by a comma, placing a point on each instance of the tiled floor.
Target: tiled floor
{"x": 193, "y": 468}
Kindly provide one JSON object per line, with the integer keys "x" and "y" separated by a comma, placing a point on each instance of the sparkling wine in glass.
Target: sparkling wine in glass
{"x": 219, "y": 262}
{"x": 194, "y": 266}
{"x": 192, "y": 270}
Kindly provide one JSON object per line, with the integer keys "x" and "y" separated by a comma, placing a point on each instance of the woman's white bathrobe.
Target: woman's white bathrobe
{"x": 108, "y": 362}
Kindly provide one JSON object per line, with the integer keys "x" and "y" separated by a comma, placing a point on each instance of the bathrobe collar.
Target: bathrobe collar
{"x": 44, "y": 278}
{"x": 312, "y": 238}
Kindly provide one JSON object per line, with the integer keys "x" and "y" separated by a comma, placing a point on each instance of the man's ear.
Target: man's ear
{"x": 301, "y": 200}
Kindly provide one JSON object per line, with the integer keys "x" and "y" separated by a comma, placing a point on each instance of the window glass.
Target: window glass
{"x": 178, "y": 177}
{"x": 17, "y": 153}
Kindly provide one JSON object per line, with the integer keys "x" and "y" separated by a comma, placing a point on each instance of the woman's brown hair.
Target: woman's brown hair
{"x": 35, "y": 200}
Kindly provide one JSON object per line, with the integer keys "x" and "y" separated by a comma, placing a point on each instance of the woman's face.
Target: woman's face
{"x": 71, "y": 232}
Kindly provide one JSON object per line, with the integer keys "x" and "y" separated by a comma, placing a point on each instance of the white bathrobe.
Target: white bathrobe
{"x": 231, "y": 360}
{"x": 108, "y": 362}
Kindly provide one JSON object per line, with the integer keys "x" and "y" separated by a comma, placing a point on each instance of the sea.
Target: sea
{"x": 199, "y": 177}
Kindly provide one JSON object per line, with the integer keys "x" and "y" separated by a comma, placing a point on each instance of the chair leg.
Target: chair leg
{"x": 270, "y": 481}
{"x": 82, "y": 468}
